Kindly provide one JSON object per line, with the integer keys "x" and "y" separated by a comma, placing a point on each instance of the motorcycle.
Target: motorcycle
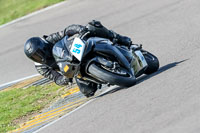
{"x": 99, "y": 61}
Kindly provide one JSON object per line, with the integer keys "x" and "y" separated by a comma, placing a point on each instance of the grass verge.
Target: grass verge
{"x": 19, "y": 104}
{"x": 12, "y": 9}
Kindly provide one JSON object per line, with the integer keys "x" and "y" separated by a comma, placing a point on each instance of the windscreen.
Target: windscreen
{"x": 61, "y": 52}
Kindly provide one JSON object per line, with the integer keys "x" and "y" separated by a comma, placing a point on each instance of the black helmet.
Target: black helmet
{"x": 38, "y": 50}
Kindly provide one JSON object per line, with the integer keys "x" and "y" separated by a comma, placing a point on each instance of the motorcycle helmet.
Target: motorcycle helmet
{"x": 39, "y": 50}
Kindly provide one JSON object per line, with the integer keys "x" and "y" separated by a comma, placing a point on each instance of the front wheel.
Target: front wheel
{"x": 111, "y": 78}
{"x": 152, "y": 61}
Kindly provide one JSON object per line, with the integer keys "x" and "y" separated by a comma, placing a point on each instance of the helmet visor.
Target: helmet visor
{"x": 37, "y": 57}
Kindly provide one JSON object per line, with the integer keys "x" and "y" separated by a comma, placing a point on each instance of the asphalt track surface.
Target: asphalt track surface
{"x": 166, "y": 101}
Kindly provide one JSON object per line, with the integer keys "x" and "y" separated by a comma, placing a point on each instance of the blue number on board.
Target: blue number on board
{"x": 76, "y": 51}
{"x": 77, "y": 45}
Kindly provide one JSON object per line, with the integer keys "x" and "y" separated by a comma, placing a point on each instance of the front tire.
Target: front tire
{"x": 152, "y": 61}
{"x": 111, "y": 78}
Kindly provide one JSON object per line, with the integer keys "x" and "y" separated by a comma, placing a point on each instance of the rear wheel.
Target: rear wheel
{"x": 111, "y": 77}
{"x": 152, "y": 61}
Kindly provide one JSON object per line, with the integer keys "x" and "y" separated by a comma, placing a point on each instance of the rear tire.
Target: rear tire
{"x": 110, "y": 77}
{"x": 152, "y": 61}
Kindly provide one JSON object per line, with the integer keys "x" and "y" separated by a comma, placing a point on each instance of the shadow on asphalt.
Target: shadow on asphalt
{"x": 146, "y": 77}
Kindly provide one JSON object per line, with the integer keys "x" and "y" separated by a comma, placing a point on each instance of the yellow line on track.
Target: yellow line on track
{"x": 49, "y": 113}
{"x": 58, "y": 108}
{"x": 57, "y": 113}
{"x": 47, "y": 116}
{"x": 71, "y": 91}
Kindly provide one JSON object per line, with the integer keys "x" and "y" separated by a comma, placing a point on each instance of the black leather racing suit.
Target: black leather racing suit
{"x": 96, "y": 29}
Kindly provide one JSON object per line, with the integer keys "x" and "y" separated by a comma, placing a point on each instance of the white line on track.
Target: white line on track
{"x": 32, "y": 14}
{"x": 13, "y": 82}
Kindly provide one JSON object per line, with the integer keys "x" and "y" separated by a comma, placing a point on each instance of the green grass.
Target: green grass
{"x": 12, "y": 9}
{"x": 18, "y": 103}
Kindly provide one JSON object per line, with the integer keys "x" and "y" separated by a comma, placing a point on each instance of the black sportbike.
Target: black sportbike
{"x": 100, "y": 61}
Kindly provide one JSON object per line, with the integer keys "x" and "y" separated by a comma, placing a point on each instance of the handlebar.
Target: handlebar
{"x": 83, "y": 35}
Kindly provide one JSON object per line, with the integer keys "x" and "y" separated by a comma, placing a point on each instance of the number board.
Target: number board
{"x": 78, "y": 47}
{"x": 141, "y": 57}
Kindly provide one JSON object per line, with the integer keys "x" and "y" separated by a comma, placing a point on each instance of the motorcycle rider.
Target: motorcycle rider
{"x": 40, "y": 51}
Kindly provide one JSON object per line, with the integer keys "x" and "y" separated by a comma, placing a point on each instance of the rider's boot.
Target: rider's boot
{"x": 122, "y": 40}
{"x": 97, "y": 29}
{"x": 87, "y": 88}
